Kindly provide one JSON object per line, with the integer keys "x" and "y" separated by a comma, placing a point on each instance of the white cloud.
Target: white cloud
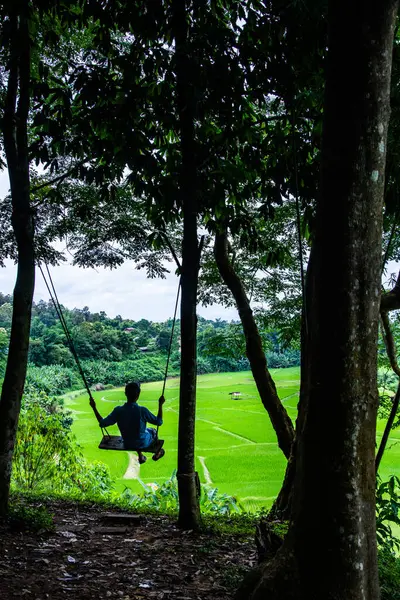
{"x": 4, "y": 183}
{"x": 124, "y": 291}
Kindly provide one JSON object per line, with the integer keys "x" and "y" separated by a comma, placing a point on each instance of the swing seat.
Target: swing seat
{"x": 115, "y": 442}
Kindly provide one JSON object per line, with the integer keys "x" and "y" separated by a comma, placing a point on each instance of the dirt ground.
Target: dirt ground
{"x": 97, "y": 555}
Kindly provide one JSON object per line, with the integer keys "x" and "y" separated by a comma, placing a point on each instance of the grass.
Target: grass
{"x": 234, "y": 438}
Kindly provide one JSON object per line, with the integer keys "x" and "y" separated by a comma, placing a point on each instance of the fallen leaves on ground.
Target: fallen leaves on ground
{"x": 88, "y": 558}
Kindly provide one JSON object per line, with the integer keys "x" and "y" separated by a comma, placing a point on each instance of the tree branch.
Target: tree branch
{"x": 392, "y": 355}
{"x": 172, "y": 250}
{"x": 254, "y": 348}
{"x": 391, "y": 300}
{"x": 389, "y": 343}
{"x": 10, "y": 106}
{"x": 389, "y": 424}
{"x": 201, "y": 246}
{"x": 58, "y": 179}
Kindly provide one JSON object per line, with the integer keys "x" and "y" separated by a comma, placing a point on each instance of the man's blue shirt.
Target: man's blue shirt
{"x": 131, "y": 420}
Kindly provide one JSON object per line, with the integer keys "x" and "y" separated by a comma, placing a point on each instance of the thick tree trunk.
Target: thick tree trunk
{"x": 16, "y": 148}
{"x": 188, "y": 488}
{"x": 254, "y": 350}
{"x": 330, "y": 550}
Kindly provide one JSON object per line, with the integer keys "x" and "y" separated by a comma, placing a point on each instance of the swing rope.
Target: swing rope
{"x": 54, "y": 298}
{"x": 60, "y": 314}
{"x": 171, "y": 339}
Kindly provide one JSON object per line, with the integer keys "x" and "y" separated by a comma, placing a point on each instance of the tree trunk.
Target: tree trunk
{"x": 330, "y": 550}
{"x": 282, "y": 506}
{"x": 254, "y": 350}
{"x": 188, "y": 488}
{"x": 16, "y": 148}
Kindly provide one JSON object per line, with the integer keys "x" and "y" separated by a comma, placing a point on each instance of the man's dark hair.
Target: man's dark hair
{"x": 132, "y": 390}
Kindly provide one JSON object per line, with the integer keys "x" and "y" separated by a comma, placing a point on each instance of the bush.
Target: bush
{"x": 387, "y": 379}
{"x": 44, "y": 450}
{"x": 214, "y": 503}
{"x": 52, "y": 379}
{"x": 387, "y": 512}
{"x": 389, "y": 575}
{"x": 51, "y": 405}
{"x": 149, "y": 368}
{"x": 90, "y": 480}
{"x": 203, "y": 366}
{"x": 164, "y": 499}
{"x": 282, "y": 360}
{"x": 22, "y": 517}
{"x": 47, "y": 458}
{"x": 57, "y": 379}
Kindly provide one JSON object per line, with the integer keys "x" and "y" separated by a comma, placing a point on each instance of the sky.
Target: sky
{"x": 123, "y": 291}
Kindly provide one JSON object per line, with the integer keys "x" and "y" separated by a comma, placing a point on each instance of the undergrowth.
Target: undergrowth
{"x": 27, "y": 517}
{"x": 389, "y": 575}
{"x": 28, "y": 512}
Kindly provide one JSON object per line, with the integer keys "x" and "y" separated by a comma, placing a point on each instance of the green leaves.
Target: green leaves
{"x": 388, "y": 512}
{"x": 164, "y": 498}
{"x": 47, "y": 457}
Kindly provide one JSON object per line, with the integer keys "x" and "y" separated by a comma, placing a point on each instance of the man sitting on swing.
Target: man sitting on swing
{"x": 132, "y": 420}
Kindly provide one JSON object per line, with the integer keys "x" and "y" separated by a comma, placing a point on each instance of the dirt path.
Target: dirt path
{"x": 206, "y": 472}
{"x": 133, "y": 470}
{"x": 151, "y": 559}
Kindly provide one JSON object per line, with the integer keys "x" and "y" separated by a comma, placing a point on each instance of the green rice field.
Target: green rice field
{"x": 236, "y": 447}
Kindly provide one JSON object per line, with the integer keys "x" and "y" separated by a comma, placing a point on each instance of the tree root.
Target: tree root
{"x": 276, "y": 579}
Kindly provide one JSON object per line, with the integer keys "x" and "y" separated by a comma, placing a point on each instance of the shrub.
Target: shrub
{"x": 52, "y": 379}
{"x": 149, "y": 368}
{"x": 387, "y": 512}
{"x": 43, "y": 451}
{"x": 212, "y": 502}
{"x": 90, "y": 479}
{"x": 22, "y": 517}
{"x": 280, "y": 360}
{"x": 51, "y": 405}
{"x": 389, "y": 575}
{"x": 164, "y": 498}
{"x": 47, "y": 457}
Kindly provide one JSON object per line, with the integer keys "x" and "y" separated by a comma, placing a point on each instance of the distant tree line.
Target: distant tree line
{"x": 114, "y": 350}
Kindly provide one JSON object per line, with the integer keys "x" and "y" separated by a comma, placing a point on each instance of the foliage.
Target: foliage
{"x": 213, "y": 502}
{"x": 115, "y": 350}
{"x": 238, "y": 524}
{"x": 389, "y": 574}
{"x": 164, "y": 498}
{"x": 388, "y": 512}
{"x": 51, "y": 405}
{"x": 225, "y": 349}
{"x": 46, "y": 456}
{"x": 22, "y": 516}
{"x": 387, "y": 380}
{"x": 92, "y": 480}
{"x": 52, "y": 379}
{"x": 149, "y": 368}
{"x": 282, "y": 360}
{"x": 3, "y": 349}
